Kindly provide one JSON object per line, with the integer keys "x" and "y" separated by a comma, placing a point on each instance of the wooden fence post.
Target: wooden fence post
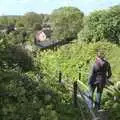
{"x": 75, "y": 93}
{"x": 79, "y": 77}
{"x": 60, "y": 76}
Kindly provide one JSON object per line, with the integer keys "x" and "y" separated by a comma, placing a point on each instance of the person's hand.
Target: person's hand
{"x": 108, "y": 82}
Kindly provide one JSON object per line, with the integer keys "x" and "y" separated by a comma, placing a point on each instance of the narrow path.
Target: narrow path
{"x": 102, "y": 115}
{"x": 99, "y": 115}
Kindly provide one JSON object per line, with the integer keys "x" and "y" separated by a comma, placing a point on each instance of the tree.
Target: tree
{"x": 66, "y": 22}
{"x": 102, "y": 25}
{"x": 31, "y": 18}
{"x": 4, "y": 20}
{"x": 20, "y": 22}
{"x": 37, "y": 26}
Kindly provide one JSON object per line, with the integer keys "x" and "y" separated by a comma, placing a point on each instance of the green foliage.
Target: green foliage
{"x": 102, "y": 25}
{"x": 3, "y": 20}
{"x": 37, "y": 26}
{"x": 31, "y": 18}
{"x": 8, "y": 20}
{"x": 66, "y": 22}
{"x": 13, "y": 54}
{"x": 25, "y": 99}
{"x": 19, "y": 56}
{"x": 26, "y": 96}
{"x": 112, "y": 101}
{"x": 69, "y": 58}
{"x": 26, "y": 93}
{"x": 29, "y": 87}
{"x": 20, "y": 22}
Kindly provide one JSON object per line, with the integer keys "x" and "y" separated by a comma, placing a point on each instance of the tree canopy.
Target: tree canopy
{"x": 66, "y": 22}
{"x": 31, "y": 18}
{"x": 102, "y": 25}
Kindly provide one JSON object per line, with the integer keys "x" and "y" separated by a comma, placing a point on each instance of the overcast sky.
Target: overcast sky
{"x": 20, "y": 7}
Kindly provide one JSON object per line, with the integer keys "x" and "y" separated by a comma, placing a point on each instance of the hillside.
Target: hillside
{"x": 52, "y": 84}
{"x": 77, "y": 58}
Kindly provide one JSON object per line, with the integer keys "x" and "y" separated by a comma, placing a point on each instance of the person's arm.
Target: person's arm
{"x": 91, "y": 76}
{"x": 109, "y": 71}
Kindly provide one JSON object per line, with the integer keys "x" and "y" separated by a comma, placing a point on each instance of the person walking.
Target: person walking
{"x": 100, "y": 74}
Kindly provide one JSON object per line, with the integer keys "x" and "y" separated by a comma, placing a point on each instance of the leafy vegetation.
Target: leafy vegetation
{"x": 29, "y": 77}
{"x": 25, "y": 93}
{"x": 102, "y": 25}
{"x": 77, "y": 58}
{"x": 66, "y": 22}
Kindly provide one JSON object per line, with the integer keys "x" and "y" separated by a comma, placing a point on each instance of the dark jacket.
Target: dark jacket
{"x": 101, "y": 71}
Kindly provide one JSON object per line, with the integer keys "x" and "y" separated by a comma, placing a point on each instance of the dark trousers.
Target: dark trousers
{"x": 99, "y": 88}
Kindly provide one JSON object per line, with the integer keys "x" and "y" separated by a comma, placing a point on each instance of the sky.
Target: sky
{"x": 20, "y": 7}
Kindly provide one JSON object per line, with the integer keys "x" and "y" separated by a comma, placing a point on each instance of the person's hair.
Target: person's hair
{"x": 100, "y": 53}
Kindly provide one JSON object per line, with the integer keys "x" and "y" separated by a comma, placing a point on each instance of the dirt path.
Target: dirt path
{"x": 101, "y": 115}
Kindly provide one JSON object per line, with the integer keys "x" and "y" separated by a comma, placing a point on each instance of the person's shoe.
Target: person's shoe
{"x": 101, "y": 110}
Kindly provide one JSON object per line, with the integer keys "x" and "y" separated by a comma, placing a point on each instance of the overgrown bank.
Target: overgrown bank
{"x": 77, "y": 58}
